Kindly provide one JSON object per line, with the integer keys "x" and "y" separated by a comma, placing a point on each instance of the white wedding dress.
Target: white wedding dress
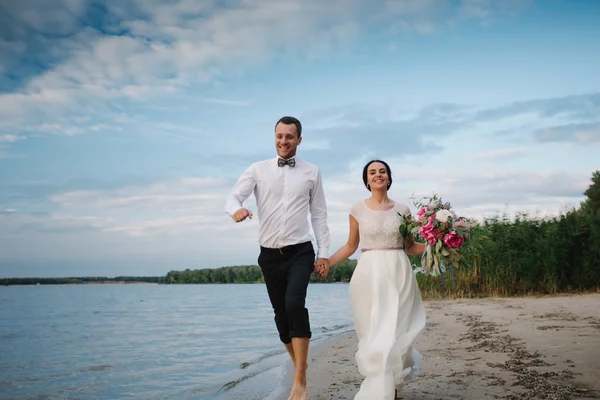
{"x": 386, "y": 303}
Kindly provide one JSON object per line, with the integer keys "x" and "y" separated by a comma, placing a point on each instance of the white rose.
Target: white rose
{"x": 443, "y": 215}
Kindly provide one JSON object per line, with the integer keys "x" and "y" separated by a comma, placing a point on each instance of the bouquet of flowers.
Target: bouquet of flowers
{"x": 441, "y": 229}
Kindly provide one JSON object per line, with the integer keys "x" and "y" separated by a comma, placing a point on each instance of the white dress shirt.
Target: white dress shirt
{"x": 284, "y": 196}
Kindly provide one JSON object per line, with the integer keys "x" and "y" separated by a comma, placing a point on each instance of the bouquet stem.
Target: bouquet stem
{"x": 432, "y": 264}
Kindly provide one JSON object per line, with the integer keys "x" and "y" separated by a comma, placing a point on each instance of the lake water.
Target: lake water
{"x": 151, "y": 341}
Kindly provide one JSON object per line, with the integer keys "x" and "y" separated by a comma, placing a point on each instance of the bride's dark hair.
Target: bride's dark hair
{"x": 366, "y": 170}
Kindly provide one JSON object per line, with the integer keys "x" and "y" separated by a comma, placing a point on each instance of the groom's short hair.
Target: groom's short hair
{"x": 289, "y": 121}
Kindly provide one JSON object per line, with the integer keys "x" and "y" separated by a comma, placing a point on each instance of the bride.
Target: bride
{"x": 385, "y": 298}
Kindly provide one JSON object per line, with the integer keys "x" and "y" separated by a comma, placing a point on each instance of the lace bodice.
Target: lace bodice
{"x": 379, "y": 229}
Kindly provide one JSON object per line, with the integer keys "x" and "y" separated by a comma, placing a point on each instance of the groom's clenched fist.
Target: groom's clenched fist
{"x": 241, "y": 215}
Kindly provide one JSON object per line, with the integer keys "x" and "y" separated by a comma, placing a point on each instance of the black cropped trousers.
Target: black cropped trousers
{"x": 287, "y": 272}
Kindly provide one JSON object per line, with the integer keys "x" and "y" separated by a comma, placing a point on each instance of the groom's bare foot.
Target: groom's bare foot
{"x": 299, "y": 390}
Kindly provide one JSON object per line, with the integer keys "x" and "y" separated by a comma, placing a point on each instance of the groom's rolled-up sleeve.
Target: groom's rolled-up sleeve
{"x": 241, "y": 191}
{"x": 318, "y": 214}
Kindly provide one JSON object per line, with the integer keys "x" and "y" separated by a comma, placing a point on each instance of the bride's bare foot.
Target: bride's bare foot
{"x": 299, "y": 392}
{"x": 399, "y": 387}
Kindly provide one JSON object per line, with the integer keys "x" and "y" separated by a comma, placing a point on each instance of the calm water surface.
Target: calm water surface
{"x": 148, "y": 341}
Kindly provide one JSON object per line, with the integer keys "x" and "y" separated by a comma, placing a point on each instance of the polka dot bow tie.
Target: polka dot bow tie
{"x": 291, "y": 162}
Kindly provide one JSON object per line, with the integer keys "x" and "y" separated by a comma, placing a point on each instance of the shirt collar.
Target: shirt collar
{"x": 294, "y": 157}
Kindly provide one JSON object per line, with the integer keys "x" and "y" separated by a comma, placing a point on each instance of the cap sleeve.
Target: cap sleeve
{"x": 403, "y": 209}
{"x": 355, "y": 210}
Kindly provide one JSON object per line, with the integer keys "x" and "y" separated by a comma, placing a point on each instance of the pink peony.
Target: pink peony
{"x": 429, "y": 233}
{"x": 421, "y": 214}
{"x": 453, "y": 240}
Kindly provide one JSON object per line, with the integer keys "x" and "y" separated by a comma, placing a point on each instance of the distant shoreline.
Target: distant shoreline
{"x": 82, "y": 283}
{"x": 158, "y": 280}
{"x": 153, "y": 283}
{"x": 85, "y": 280}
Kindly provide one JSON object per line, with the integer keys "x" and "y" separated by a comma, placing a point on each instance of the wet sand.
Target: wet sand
{"x": 496, "y": 348}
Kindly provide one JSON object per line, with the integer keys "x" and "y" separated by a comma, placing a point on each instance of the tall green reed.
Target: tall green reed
{"x": 525, "y": 256}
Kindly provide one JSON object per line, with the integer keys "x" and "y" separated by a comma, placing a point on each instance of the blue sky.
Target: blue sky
{"x": 123, "y": 127}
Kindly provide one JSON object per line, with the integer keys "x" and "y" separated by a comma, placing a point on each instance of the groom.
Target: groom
{"x": 286, "y": 189}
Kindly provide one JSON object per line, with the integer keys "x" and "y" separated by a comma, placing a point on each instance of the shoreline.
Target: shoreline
{"x": 502, "y": 348}
{"x": 273, "y": 383}
{"x": 82, "y": 283}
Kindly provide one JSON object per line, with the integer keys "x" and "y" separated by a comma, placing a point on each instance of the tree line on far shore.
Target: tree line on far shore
{"x": 252, "y": 274}
{"x": 81, "y": 280}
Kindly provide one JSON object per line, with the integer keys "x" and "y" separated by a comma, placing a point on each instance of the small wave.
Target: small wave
{"x": 269, "y": 354}
{"x": 192, "y": 335}
{"x": 232, "y": 384}
{"x": 327, "y": 331}
{"x": 334, "y": 328}
{"x": 198, "y": 391}
{"x": 278, "y": 376}
{"x": 18, "y": 383}
{"x": 110, "y": 312}
{"x": 8, "y": 336}
{"x": 95, "y": 368}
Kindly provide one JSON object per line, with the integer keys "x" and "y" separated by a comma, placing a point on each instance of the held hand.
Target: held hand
{"x": 322, "y": 267}
{"x": 241, "y": 215}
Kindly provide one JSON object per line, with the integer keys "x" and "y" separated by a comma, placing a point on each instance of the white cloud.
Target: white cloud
{"x": 170, "y": 45}
{"x": 585, "y": 133}
{"x": 227, "y": 102}
{"x": 183, "y": 219}
{"x": 140, "y": 54}
{"x": 176, "y": 195}
{"x": 473, "y": 191}
{"x": 11, "y": 138}
{"x": 178, "y": 207}
{"x": 6, "y": 140}
{"x": 500, "y": 154}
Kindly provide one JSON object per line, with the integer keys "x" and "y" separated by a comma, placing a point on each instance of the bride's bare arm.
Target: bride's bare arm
{"x": 351, "y": 245}
{"x": 414, "y": 248}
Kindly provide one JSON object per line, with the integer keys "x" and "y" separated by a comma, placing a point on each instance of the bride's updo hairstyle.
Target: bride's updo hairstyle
{"x": 366, "y": 170}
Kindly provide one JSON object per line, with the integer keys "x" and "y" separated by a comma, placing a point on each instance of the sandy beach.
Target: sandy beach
{"x": 495, "y": 348}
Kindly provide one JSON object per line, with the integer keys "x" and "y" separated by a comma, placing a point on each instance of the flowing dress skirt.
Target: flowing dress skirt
{"x": 388, "y": 315}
